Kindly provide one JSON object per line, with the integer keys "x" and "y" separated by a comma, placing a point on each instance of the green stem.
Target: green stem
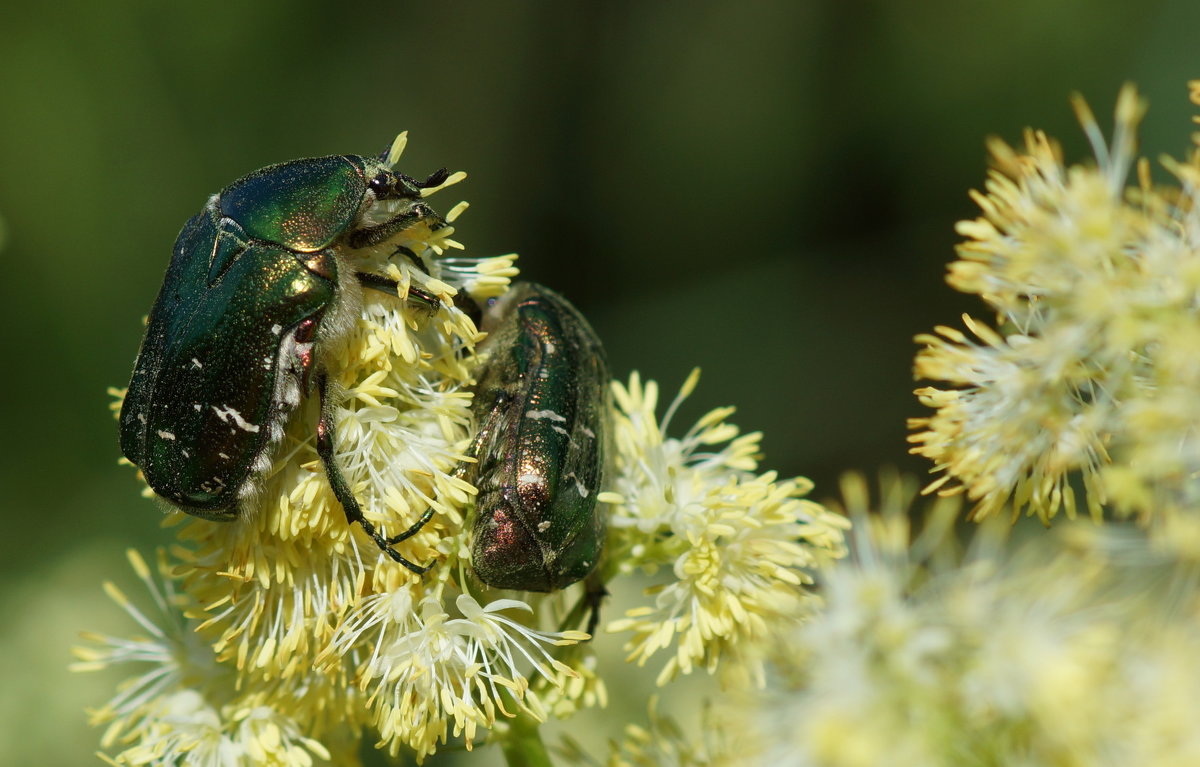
{"x": 523, "y": 746}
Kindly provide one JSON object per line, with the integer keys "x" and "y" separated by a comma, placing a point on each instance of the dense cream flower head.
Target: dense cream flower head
{"x": 1077, "y": 648}
{"x": 1091, "y": 370}
{"x": 282, "y": 637}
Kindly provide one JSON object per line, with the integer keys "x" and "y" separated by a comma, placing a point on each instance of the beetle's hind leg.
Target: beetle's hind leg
{"x": 342, "y": 491}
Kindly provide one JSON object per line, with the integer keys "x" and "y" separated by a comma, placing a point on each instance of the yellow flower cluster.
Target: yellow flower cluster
{"x": 739, "y": 545}
{"x": 1091, "y": 370}
{"x": 186, "y": 707}
{"x": 1078, "y": 649}
{"x": 280, "y": 638}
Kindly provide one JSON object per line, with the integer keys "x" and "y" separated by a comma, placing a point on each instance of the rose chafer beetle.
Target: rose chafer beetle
{"x": 541, "y": 408}
{"x": 258, "y": 286}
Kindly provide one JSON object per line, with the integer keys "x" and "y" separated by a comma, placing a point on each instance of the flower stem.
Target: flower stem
{"x": 523, "y": 746}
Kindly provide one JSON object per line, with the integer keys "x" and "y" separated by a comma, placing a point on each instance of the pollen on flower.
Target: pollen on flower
{"x": 1086, "y": 378}
{"x": 740, "y": 546}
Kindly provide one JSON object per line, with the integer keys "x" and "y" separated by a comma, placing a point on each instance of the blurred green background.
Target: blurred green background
{"x": 765, "y": 189}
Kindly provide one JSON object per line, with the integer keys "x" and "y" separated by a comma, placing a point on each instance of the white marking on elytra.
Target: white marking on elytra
{"x": 543, "y": 526}
{"x": 166, "y": 435}
{"x": 560, "y": 430}
{"x": 186, "y": 454}
{"x": 196, "y": 363}
{"x": 277, "y": 329}
{"x": 141, "y": 417}
{"x": 550, "y": 347}
{"x": 227, "y": 413}
{"x": 588, "y": 432}
{"x": 543, "y": 374}
{"x": 223, "y": 455}
{"x": 196, "y": 406}
{"x": 210, "y": 487}
{"x": 531, "y": 479}
{"x": 537, "y": 415}
{"x": 579, "y": 486}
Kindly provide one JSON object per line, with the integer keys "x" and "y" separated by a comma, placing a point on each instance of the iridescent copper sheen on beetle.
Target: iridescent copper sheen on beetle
{"x": 541, "y": 406}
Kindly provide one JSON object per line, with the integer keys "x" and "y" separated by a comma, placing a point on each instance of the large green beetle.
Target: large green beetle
{"x": 257, "y": 285}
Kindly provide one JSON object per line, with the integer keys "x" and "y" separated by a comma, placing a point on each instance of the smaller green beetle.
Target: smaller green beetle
{"x": 541, "y": 409}
{"x": 258, "y": 286}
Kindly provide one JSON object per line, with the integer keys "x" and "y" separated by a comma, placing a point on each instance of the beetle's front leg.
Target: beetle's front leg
{"x": 345, "y": 496}
{"x": 374, "y": 235}
{"x": 422, "y": 298}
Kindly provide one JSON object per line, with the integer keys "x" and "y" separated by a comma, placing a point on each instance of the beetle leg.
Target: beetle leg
{"x": 422, "y": 298}
{"x": 373, "y": 235}
{"x": 594, "y": 596}
{"x": 410, "y": 532}
{"x": 416, "y": 260}
{"x": 343, "y": 493}
{"x": 469, "y": 306}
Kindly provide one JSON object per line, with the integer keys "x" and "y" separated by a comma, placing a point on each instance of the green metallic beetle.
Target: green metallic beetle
{"x": 541, "y": 409}
{"x": 257, "y": 286}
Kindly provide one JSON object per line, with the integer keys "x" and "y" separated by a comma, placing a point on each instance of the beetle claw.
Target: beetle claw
{"x": 396, "y": 557}
{"x": 410, "y": 532}
{"x": 385, "y": 544}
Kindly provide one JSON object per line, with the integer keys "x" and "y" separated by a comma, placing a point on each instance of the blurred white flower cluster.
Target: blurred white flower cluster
{"x": 1078, "y": 647}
